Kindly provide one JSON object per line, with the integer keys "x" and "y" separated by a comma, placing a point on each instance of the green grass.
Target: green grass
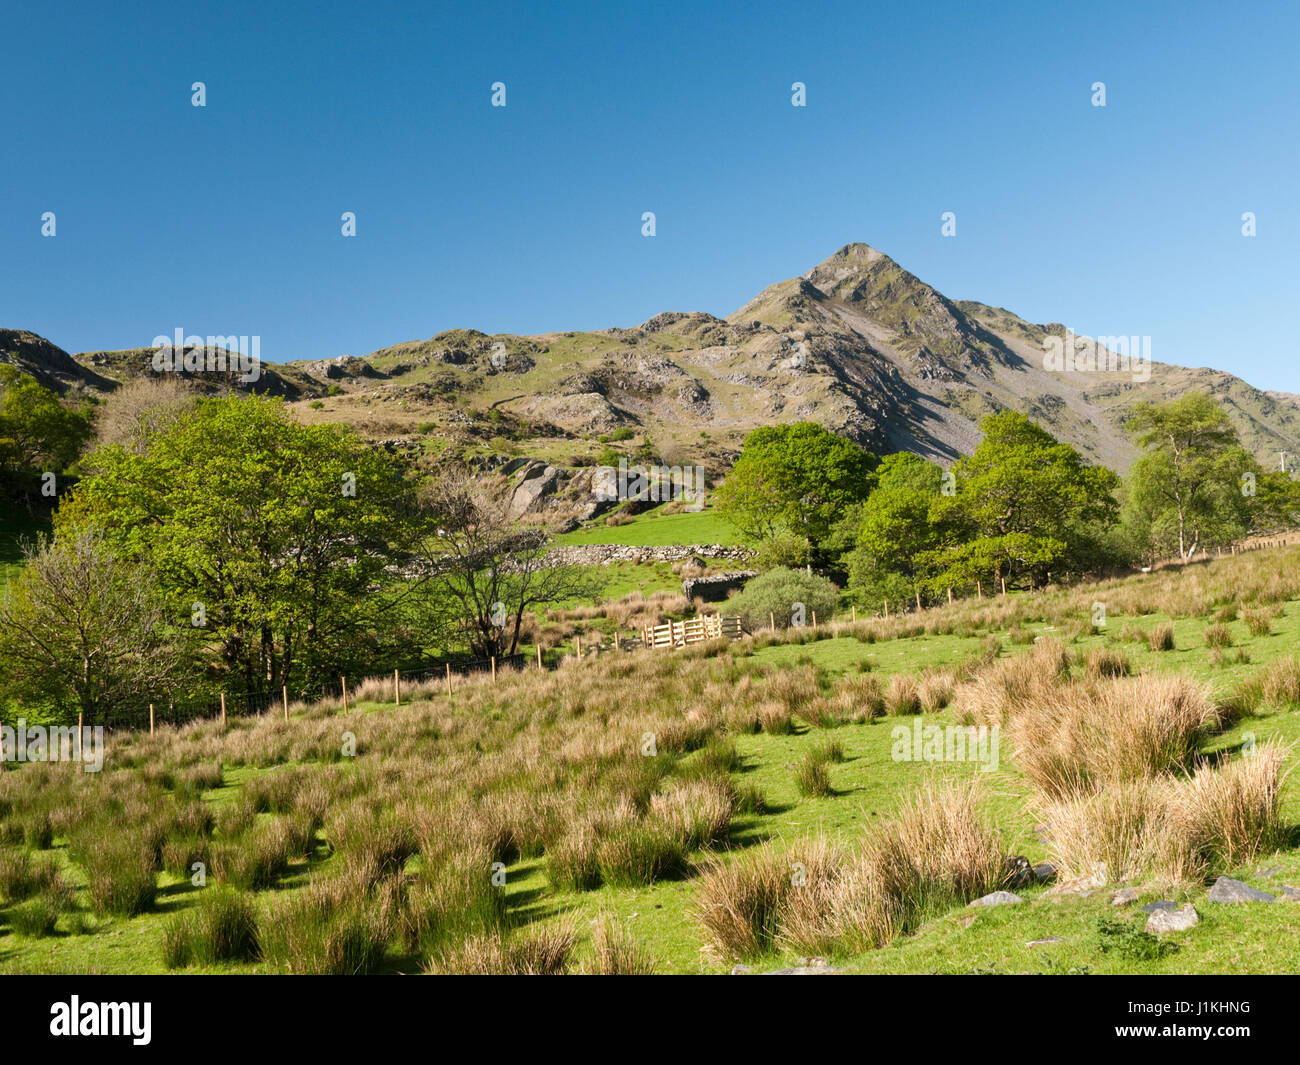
{"x": 868, "y": 785}
{"x": 653, "y": 528}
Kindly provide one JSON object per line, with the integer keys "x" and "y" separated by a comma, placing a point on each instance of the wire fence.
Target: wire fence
{"x": 142, "y": 716}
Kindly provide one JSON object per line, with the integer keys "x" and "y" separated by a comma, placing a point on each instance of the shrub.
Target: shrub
{"x": 1227, "y": 817}
{"x": 1103, "y": 662}
{"x": 571, "y": 861}
{"x": 452, "y": 901}
{"x": 718, "y": 756}
{"x": 1280, "y": 682}
{"x": 202, "y": 777}
{"x": 829, "y": 751}
{"x": 936, "y": 691}
{"x": 1258, "y": 620}
{"x": 775, "y": 719}
{"x": 1175, "y": 829}
{"x": 864, "y": 695}
{"x": 1007, "y": 685}
{"x": 1116, "y": 829}
{"x": 750, "y": 800}
{"x": 774, "y": 595}
{"x": 180, "y": 854}
{"x": 378, "y": 845}
{"x": 935, "y": 852}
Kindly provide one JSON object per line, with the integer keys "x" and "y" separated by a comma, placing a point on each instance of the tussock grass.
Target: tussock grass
{"x": 258, "y": 858}
{"x": 120, "y": 870}
{"x": 1172, "y": 829}
{"x": 220, "y": 927}
{"x": 335, "y": 927}
{"x": 21, "y": 877}
{"x": 541, "y": 951}
{"x": 937, "y": 851}
{"x": 1101, "y": 732}
{"x": 812, "y": 777}
{"x": 1217, "y": 635}
{"x": 38, "y": 915}
{"x": 903, "y": 695}
{"x": 615, "y": 953}
{"x": 1161, "y": 638}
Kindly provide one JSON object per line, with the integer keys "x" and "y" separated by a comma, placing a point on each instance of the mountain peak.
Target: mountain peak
{"x": 853, "y": 255}
{"x": 857, "y": 271}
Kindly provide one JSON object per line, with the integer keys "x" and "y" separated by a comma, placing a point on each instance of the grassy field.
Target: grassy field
{"x": 655, "y": 528}
{"x": 379, "y": 859}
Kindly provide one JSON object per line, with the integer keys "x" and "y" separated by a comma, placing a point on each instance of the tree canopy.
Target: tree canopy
{"x": 38, "y": 433}
{"x": 794, "y": 480}
{"x": 272, "y": 536}
{"x": 1193, "y": 486}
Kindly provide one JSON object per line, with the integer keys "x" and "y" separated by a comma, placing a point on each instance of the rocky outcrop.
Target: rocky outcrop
{"x": 568, "y": 495}
{"x": 716, "y": 588}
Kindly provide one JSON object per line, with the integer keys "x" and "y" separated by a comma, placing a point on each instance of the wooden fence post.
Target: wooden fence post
{"x": 771, "y": 617}
{"x": 494, "y": 669}
{"x": 80, "y": 763}
{"x": 1004, "y": 584}
{"x": 539, "y": 655}
{"x": 617, "y": 646}
{"x": 223, "y": 709}
{"x": 979, "y": 590}
{"x": 284, "y": 693}
{"x": 343, "y": 681}
{"x": 151, "y": 719}
{"x": 950, "y": 595}
{"x": 397, "y": 688}
{"x": 814, "y": 614}
{"x": 918, "y": 599}
{"x": 855, "y": 613}
{"x": 886, "y": 609}
{"x": 449, "y": 680}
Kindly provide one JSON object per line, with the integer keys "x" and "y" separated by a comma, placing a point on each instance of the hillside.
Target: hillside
{"x": 792, "y": 747}
{"x": 857, "y": 343}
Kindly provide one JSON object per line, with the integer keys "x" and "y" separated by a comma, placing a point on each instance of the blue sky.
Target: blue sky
{"x": 1123, "y": 220}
